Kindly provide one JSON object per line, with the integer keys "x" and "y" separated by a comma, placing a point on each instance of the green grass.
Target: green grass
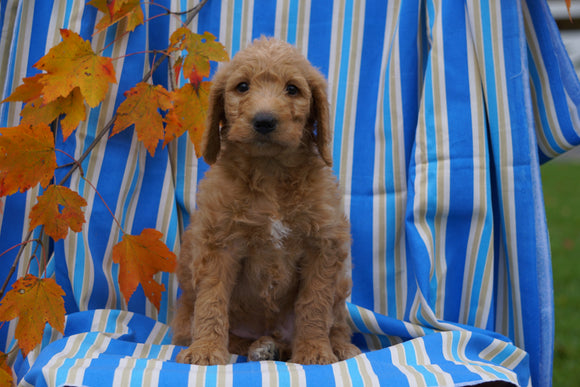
{"x": 561, "y": 182}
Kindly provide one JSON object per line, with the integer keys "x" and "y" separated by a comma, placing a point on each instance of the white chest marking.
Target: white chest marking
{"x": 278, "y": 231}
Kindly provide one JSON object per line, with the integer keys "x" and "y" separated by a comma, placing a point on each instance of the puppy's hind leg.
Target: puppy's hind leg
{"x": 265, "y": 348}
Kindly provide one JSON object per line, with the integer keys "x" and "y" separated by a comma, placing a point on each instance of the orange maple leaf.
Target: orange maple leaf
{"x": 189, "y": 113}
{"x": 36, "y": 111}
{"x": 71, "y": 106}
{"x": 141, "y": 108}
{"x": 201, "y": 49}
{"x": 26, "y": 157}
{"x": 139, "y": 258}
{"x": 116, "y": 10}
{"x": 73, "y": 63}
{"x": 6, "y": 378}
{"x": 35, "y": 302}
{"x": 56, "y": 221}
{"x": 29, "y": 90}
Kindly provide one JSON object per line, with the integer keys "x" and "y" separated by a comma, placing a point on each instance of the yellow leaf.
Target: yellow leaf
{"x": 72, "y": 63}
{"x": 35, "y": 302}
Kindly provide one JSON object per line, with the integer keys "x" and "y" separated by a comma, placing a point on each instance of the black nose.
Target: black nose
{"x": 264, "y": 123}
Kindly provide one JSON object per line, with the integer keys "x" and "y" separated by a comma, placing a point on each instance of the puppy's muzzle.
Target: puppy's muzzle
{"x": 264, "y": 123}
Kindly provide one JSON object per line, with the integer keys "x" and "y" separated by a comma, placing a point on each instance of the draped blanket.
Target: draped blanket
{"x": 442, "y": 113}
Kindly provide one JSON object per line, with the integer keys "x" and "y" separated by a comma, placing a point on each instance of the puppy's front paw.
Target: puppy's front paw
{"x": 345, "y": 351}
{"x": 203, "y": 354}
{"x": 313, "y": 353}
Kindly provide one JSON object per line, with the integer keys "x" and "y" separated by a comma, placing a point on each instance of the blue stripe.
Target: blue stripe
{"x": 264, "y": 19}
{"x": 40, "y": 27}
{"x": 292, "y": 21}
{"x": 211, "y": 376}
{"x": 238, "y": 11}
{"x": 354, "y": 373}
{"x": 363, "y": 182}
{"x": 461, "y": 156}
{"x": 342, "y": 83}
{"x": 320, "y": 36}
{"x": 283, "y": 374}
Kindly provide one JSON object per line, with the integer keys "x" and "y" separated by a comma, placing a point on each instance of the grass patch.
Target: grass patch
{"x": 561, "y": 184}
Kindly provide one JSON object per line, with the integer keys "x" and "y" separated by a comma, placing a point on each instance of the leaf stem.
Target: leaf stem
{"x": 104, "y": 202}
{"x": 16, "y": 260}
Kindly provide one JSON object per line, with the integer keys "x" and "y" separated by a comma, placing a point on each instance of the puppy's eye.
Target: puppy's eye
{"x": 242, "y": 87}
{"x": 291, "y": 90}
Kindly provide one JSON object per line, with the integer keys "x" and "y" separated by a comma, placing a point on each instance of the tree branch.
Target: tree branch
{"x": 191, "y": 14}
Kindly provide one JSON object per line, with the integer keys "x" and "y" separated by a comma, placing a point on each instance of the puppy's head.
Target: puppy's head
{"x": 268, "y": 100}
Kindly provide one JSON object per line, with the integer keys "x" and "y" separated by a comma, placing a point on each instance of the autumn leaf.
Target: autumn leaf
{"x": 189, "y": 113}
{"x": 48, "y": 212}
{"x": 71, "y": 106}
{"x": 116, "y": 10}
{"x": 201, "y": 49}
{"x": 29, "y": 90}
{"x": 37, "y": 112}
{"x": 139, "y": 258}
{"x": 34, "y": 302}
{"x": 6, "y": 378}
{"x": 72, "y": 63}
{"x": 27, "y": 157}
{"x": 141, "y": 108}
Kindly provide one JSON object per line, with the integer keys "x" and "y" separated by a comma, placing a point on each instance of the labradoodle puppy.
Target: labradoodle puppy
{"x": 262, "y": 264}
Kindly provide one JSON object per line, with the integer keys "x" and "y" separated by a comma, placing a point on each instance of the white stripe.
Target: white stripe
{"x": 507, "y": 178}
{"x": 443, "y": 169}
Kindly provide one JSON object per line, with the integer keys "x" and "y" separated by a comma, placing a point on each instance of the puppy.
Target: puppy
{"x": 262, "y": 264}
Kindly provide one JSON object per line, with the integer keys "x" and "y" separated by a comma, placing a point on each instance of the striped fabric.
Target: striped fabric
{"x": 442, "y": 114}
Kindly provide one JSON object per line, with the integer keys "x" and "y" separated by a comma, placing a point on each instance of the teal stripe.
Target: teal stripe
{"x": 293, "y": 21}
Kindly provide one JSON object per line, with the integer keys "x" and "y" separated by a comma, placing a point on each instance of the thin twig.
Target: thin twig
{"x": 194, "y": 11}
{"x": 15, "y": 263}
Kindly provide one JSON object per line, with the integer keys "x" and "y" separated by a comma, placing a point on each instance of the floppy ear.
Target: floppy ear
{"x": 320, "y": 116}
{"x": 210, "y": 142}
